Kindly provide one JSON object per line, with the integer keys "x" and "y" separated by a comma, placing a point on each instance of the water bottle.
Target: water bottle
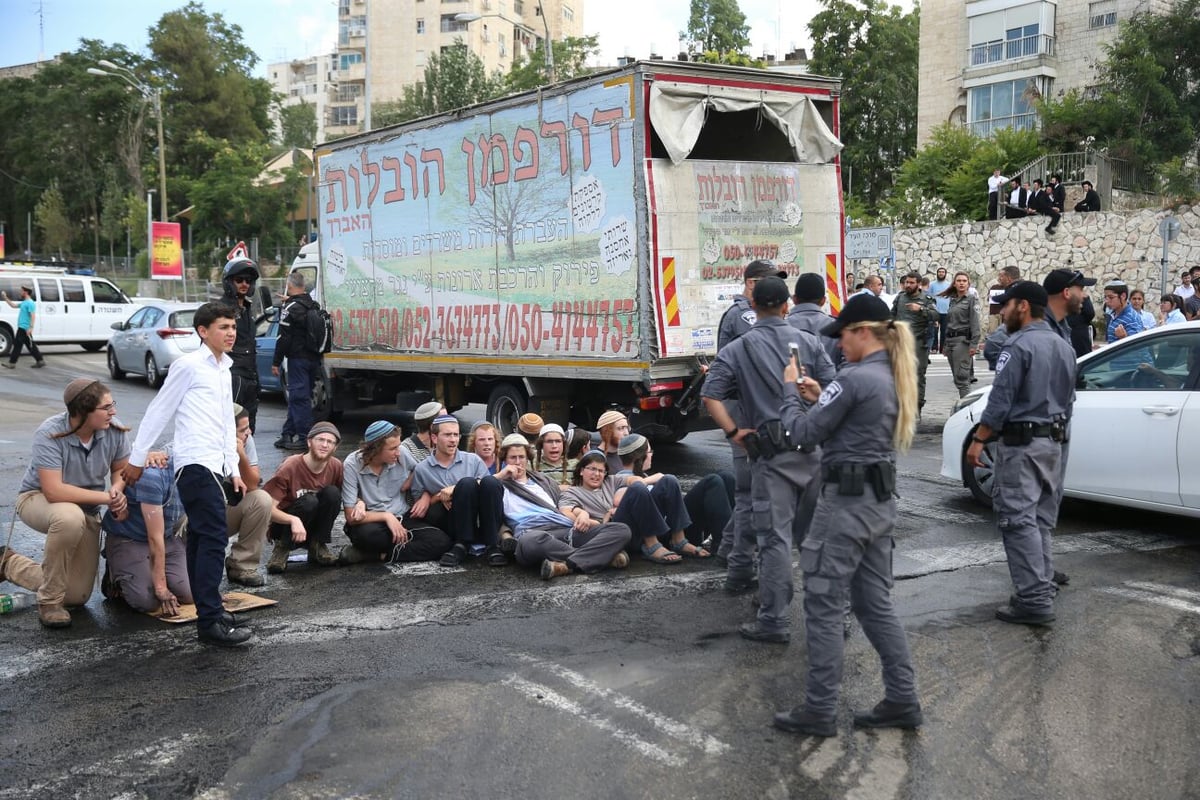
{"x": 15, "y": 602}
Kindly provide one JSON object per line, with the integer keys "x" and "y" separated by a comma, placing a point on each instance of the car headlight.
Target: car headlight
{"x": 965, "y": 401}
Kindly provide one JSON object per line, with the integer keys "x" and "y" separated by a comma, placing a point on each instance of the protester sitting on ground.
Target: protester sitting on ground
{"x": 551, "y": 458}
{"x": 420, "y": 444}
{"x": 482, "y": 442}
{"x": 657, "y": 518}
{"x": 306, "y": 495}
{"x": 453, "y": 495}
{"x": 613, "y": 426}
{"x": 145, "y": 559}
{"x": 247, "y": 520}
{"x": 544, "y": 535}
{"x": 530, "y": 426}
{"x": 709, "y": 514}
{"x": 374, "y": 491}
{"x": 74, "y": 454}
{"x": 1169, "y": 307}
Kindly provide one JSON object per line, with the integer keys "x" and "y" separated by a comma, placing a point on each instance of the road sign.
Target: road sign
{"x": 239, "y": 251}
{"x": 869, "y": 243}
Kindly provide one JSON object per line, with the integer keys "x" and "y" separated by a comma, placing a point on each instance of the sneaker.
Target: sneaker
{"x": 39, "y": 364}
{"x": 1022, "y": 616}
{"x": 554, "y": 569}
{"x": 755, "y": 633}
{"x": 801, "y": 720}
{"x": 350, "y": 555}
{"x": 8, "y": 364}
{"x": 277, "y": 563}
{"x": 1061, "y": 578}
{"x": 297, "y": 444}
{"x": 53, "y": 615}
{"x": 245, "y": 577}
{"x": 319, "y": 554}
{"x": 887, "y": 714}
{"x": 284, "y": 441}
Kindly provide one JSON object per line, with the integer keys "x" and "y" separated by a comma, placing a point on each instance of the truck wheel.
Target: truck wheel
{"x": 505, "y": 406}
{"x": 322, "y": 399}
{"x": 6, "y": 340}
{"x": 979, "y": 479}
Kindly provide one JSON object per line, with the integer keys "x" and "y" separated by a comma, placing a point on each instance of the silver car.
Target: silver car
{"x": 151, "y": 339}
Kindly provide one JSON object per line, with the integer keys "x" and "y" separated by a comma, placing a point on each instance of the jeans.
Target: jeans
{"x": 300, "y": 375}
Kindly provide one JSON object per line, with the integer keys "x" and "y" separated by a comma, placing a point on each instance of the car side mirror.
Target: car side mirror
{"x": 118, "y": 326}
{"x": 264, "y": 297}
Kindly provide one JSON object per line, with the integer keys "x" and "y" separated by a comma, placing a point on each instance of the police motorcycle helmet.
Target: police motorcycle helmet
{"x": 236, "y": 268}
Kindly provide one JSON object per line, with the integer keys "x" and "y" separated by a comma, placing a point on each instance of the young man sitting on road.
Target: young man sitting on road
{"x": 306, "y": 496}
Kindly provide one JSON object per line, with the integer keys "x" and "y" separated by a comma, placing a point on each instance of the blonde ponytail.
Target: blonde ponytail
{"x": 901, "y": 348}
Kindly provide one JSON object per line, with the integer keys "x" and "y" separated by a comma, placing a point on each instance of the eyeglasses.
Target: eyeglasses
{"x": 601, "y": 470}
{"x": 242, "y": 279}
{"x": 108, "y": 407}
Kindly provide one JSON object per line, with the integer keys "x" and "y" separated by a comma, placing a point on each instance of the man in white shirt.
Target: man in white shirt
{"x": 995, "y": 183}
{"x": 198, "y": 394}
{"x": 1185, "y": 289}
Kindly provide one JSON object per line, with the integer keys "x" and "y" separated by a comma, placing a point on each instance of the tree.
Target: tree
{"x": 454, "y": 78}
{"x": 873, "y": 48}
{"x": 298, "y": 125}
{"x": 570, "y": 61}
{"x": 50, "y": 215}
{"x": 718, "y": 25}
{"x": 112, "y": 212}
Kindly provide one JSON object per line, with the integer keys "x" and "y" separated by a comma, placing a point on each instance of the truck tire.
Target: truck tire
{"x": 6, "y": 340}
{"x": 323, "y": 408}
{"x": 505, "y": 406}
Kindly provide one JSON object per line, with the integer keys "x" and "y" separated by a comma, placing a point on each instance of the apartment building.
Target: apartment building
{"x": 311, "y": 80}
{"x": 394, "y": 38}
{"x": 984, "y": 63}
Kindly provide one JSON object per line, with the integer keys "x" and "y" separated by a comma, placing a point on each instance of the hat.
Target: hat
{"x": 479, "y": 425}
{"x": 27, "y": 287}
{"x": 809, "y": 286}
{"x": 325, "y": 427}
{"x": 444, "y": 418}
{"x": 238, "y": 410}
{"x": 75, "y": 387}
{"x": 770, "y": 292}
{"x": 860, "y": 308}
{"x": 427, "y": 411}
{"x": 761, "y": 268}
{"x": 1060, "y": 279}
{"x": 609, "y": 417}
{"x": 377, "y": 430}
{"x": 553, "y": 427}
{"x": 1023, "y": 290}
{"x": 530, "y": 424}
{"x": 630, "y": 443}
{"x": 514, "y": 439}
{"x": 594, "y": 438}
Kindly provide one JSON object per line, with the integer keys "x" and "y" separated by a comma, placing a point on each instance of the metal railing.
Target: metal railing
{"x": 1010, "y": 50}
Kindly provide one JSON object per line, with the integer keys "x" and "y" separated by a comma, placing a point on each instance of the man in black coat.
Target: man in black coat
{"x": 302, "y": 362}
{"x": 1091, "y": 199}
{"x": 238, "y": 279}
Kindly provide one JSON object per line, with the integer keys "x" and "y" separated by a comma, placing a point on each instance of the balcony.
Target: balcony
{"x": 984, "y": 128}
{"x": 981, "y": 55}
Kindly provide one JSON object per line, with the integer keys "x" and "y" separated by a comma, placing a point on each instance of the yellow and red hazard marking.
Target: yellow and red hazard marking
{"x": 833, "y": 284}
{"x": 670, "y": 291}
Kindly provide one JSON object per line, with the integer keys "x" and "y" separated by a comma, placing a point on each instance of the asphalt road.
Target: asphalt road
{"x": 481, "y": 682}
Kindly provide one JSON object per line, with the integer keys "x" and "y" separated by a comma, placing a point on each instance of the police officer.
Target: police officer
{"x": 920, "y": 312}
{"x": 860, "y": 419}
{"x": 736, "y": 320}
{"x": 239, "y": 278}
{"x": 749, "y": 369}
{"x": 1027, "y": 413}
{"x": 808, "y": 313}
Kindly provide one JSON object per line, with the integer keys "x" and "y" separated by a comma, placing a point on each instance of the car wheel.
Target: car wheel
{"x": 505, "y": 406}
{"x": 154, "y": 378}
{"x": 979, "y": 479}
{"x": 114, "y": 369}
{"x": 6, "y": 340}
{"x": 93, "y": 347}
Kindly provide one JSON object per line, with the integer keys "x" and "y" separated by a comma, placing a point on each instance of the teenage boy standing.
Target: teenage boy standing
{"x": 198, "y": 393}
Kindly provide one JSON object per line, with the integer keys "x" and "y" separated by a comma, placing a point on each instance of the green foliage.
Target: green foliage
{"x": 50, "y": 216}
{"x": 1180, "y": 181}
{"x": 873, "y": 48}
{"x": 298, "y": 125}
{"x": 718, "y": 26}
{"x": 112, "y": 211}
{"x": 454, "y": 78}
{"x": 728, "y": 57}
{"x": 570, "y": 61}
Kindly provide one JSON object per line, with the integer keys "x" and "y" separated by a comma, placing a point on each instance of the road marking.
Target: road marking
{"x": 678, "y": 730}
{"x": 543, "y": 694}
{"x": 1157, "y": 594}
{"x": 419, "y": 569}
{"x": 1174, "y": 591}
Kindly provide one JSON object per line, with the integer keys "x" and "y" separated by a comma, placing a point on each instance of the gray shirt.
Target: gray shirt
{"x": 1035, "y": 379}
{"x": 963, "y": 316}
{"x": 736, "y": 320}
{"x": 382, "y": 492}
{"x": 751, "y": 368}
{"x": 809, "y": 317}
{"x": 430, "y": 476}
{"x": 854, "y": 419}
{"x": 84, "y": 467}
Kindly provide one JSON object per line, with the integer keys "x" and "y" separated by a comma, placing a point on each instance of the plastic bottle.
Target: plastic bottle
{"x": 15, "y": 602}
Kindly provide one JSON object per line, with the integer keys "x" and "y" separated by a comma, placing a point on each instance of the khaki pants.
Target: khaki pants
{"x": 248, "y": 520}
{"x": 67, "y": 573}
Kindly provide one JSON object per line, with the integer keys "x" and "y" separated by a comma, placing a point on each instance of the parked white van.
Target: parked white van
{"x": 71, "y": 308}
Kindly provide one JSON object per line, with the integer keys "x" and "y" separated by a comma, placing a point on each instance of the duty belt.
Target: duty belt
{"x": 852, "y": 478}
{"x": 958, "y": 332}
{"x": 1019, "y": 433}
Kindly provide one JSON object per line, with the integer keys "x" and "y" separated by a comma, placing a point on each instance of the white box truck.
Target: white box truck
{"x": 571, "y": 249}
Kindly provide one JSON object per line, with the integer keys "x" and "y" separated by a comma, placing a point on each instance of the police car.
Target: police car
{"x": 1135, "y": 429}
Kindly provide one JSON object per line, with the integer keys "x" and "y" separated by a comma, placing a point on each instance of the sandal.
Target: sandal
{"x": 453, "y": 557}
{"x": 682, "y": 548}
{"x": 652, "y": 554}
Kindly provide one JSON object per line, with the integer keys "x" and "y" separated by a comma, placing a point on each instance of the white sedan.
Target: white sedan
{"x": 1135, "y": 429}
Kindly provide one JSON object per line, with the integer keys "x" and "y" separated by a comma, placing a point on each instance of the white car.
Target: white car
{"x": 1135, "y": 429}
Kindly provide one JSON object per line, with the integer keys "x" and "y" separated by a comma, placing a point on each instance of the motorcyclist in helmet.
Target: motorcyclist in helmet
{"x": 239, "y": 278}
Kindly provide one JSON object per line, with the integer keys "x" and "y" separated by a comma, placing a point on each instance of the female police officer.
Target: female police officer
{"x": 860, "y": 419}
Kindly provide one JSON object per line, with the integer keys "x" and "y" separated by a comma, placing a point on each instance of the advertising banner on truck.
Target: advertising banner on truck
{"x": 507, "y": 232}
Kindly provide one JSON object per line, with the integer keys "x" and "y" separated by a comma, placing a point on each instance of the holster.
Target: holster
{"x": 753, "y": 451}
{"x": 773, "y": 438}
{"x": 1017, "y": 433}
{"x": 1058, "y": 431}
{"x": 851, "y": 480}
{"x": 882, "y": 476}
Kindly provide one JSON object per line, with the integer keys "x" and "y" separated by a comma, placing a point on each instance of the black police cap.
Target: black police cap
{"x": 770, "y": 292}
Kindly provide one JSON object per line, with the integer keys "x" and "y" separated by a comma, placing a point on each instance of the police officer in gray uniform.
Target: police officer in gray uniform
{"x": 808, "y": 313}
{"x": 860, "y": 419}
{"x": 749, "y": 369}
{"x": 736, "y": 320}
{"x": 1027, "y": 413}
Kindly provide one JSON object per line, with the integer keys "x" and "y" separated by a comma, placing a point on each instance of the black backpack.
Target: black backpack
{"x": 318, "y": 330}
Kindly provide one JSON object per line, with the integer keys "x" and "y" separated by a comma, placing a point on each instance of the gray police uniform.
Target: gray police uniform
{"x": 751, "y": 369}
{"x": 809, "y": 317}
{"x": 919, "y": 323}
{"x": 1032, "y": 395}
{"x": 736, "y": 320}
{"x": 850, "y": 545}
{"x": 962, "y": 333}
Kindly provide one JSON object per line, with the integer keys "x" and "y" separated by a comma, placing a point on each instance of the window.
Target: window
{"x": 346, "y": 60}
{"x": 503, "y": 46}
{"x": 153, "y": 315}
{"x": 420, "y": 26}
{"x": 345, "y": 115}
{"x": 568, "y": 14}
{"x": 1164, "y": 363}
{"x": 105, "y": 292}
{"x": 73, "y": 291}
{"x": 1102, "y": 14}
{"x": 451, "y": 25}
{"x": 48, "y": 289}
{"x": 349, "y": 92}
{"x": 1008, "y": 104}
{"x": 136, "y": 320}
{"x": 1011, "y": 33}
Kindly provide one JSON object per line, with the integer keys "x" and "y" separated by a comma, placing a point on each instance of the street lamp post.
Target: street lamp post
{"x": 155, "y": 96}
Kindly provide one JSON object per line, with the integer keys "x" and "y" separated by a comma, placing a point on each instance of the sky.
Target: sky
{"x": 280, "y": 30}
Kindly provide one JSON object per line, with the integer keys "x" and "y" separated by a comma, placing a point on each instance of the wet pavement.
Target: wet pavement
{"x": 419, "y": 682}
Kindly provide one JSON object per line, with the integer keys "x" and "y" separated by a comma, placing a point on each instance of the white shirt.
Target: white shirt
{"x": 995, "y": 182}
{"x": 1184, "y": 292}
{"x": 198, "y": 393}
